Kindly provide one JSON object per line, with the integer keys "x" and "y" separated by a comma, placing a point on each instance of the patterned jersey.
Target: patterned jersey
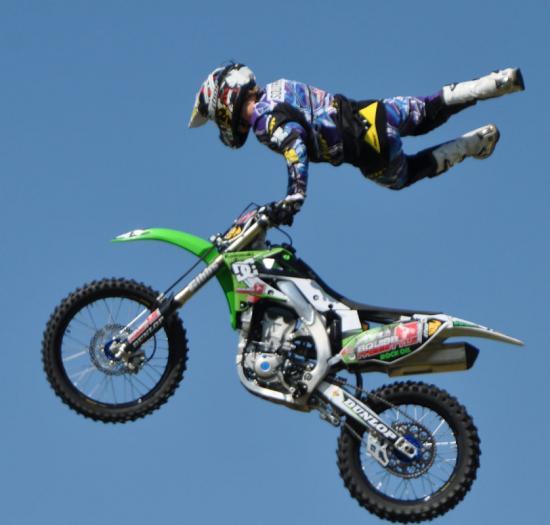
{"x": 300, "y": 122}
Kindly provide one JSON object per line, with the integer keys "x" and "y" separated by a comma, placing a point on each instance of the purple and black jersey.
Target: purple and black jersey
{"x": 300, "y": 122}
{"x": 307, "y": 124}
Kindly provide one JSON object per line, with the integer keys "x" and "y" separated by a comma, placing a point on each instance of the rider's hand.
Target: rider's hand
{"x": 282, "y": 212}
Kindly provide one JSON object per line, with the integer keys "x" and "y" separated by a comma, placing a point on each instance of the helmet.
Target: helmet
{"x": 221, "y": 98}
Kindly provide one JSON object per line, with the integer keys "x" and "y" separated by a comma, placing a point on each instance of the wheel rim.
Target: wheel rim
{"x": 429, "y": 472}
{"x": 92, "y": 369}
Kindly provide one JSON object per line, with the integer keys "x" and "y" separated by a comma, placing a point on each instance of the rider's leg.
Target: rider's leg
{"x": 478, "y": 144}
{"x": 419, "y": 115}
{"x": 492, "y": 85}
{"x": 404, "y": 170}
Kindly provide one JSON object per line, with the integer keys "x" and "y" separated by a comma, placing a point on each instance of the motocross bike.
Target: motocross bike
{"x": 114, "y": 351}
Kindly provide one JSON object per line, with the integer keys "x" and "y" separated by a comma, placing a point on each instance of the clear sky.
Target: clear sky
{"x": 94, "y": 103}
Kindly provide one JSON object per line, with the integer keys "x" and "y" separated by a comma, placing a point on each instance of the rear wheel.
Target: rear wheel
{"x": 87, "y": 376}
{"x": 428, "y": 485}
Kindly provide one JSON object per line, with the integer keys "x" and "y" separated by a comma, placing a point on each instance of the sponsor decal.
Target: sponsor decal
{"x": 232, "y": 233}
{"x": 150, "y": 324}
{"x": 279, "y": 136}
{"x": 369, "y": 418}
{"x": 348, "y": 355}
{"x": 275, "y": 90}
{"x": 132, "y": 234}
{"x": 244, "y": 270}
{"x": 433, "y": 326}
{"x": 385, "y": 338}
{"x": 408, "y": 333}
{"x": 394, "y": 354}
{"x": 249, "y": 283}
{"x": 244, "y": 218}
{"x": 291, "y": 156}
{"x": 223, "y": 117}
{"x": 254, "y": 294}
{"x": 465, "y": 324}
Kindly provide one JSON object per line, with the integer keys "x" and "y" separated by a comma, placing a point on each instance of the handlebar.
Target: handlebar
{"x": 250, "y": 224}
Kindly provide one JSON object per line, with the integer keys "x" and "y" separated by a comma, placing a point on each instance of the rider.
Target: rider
{"x": 305, "y": 124}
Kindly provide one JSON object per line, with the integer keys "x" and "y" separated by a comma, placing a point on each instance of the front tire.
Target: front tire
{"x": 433, "y": 482}
{"x": 87, "y": 377}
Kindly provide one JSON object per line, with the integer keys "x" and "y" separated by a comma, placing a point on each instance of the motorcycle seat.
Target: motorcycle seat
{"x": 367, "y": 312}
{"x": 379, "y": 314}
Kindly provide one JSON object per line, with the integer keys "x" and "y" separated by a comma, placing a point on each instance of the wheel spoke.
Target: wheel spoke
{"x": 145, "y": 370}
{"x": 137, "y": 379}
{"x": 441, "y": 423}
{"x": 110, "y": 315}
{"x": 75, "y": 356}
{"x": 81, "y": 374}
{"x": 77, "y": 319}
{"x": 134, "y": 392}
{"x": 90, "y": 315}
{"x": 118, "y": 309}
{"x": 101, "y": 388}
{"x": 75, "y": 340}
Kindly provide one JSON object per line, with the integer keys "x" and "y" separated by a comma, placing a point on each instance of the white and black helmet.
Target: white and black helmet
{"x": 221, "y": 98}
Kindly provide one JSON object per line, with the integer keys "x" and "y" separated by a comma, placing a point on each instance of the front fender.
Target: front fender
{"x": 193, "y": 244}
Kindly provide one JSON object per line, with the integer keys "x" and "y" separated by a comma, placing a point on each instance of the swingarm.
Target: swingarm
{"x": 381, "y": 435}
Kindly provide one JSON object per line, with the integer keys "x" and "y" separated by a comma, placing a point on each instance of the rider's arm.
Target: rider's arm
{"x": 289, "y": 140}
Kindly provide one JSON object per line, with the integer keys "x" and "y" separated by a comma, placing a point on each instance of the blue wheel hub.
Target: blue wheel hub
{"x": 101, "y": 353}
{"x": 419, "y": 436}
{"x": 107, "y": 349}
{"x": 411, "y": 439}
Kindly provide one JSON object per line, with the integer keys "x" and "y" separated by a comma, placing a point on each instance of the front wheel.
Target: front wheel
{"x": 424, "y": 487}
{"x": 83, "y": 371}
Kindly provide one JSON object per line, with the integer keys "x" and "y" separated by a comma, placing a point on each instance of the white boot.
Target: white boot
{"x": 479, "y": 144}
{"x": 495, "y": 84}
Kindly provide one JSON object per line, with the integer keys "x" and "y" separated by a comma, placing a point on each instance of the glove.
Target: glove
{"x": 282, "y": 212}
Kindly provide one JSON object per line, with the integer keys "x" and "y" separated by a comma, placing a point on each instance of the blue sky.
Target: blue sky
{"x": 95, "y": 98}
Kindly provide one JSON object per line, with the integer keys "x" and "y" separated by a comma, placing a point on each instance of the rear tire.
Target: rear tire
{"x": 82, "y": 372}
{"x": 437, "y": 479}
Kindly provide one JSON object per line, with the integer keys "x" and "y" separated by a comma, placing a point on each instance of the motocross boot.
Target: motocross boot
{"x": 478, "y": 143}
{"x": 492, "y": 85}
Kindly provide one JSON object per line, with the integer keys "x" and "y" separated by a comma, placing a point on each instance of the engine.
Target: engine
{"x": 279, "y": 351}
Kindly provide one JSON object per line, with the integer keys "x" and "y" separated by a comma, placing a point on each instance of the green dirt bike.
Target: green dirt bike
{"x": 115, "y": 350}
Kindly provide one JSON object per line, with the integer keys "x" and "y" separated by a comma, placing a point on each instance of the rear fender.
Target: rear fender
{"x": 456, "y": 327}
{"x": 436, "y": 354}
{"x": 416, "y": 344}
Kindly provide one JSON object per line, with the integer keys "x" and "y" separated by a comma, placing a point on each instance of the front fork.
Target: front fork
{"x": 127, "y": 348}
{"x": 381, "y": 435}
